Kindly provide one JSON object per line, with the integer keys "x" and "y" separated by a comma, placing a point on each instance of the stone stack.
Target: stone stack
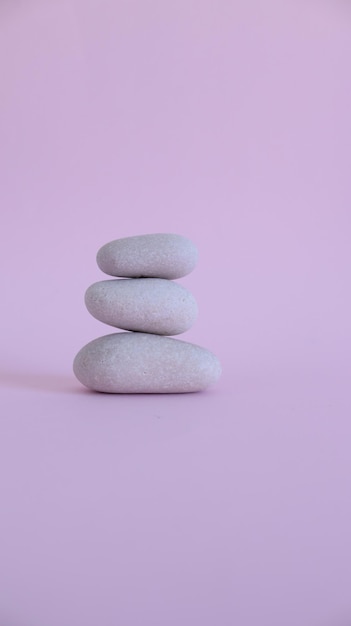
{"x": 146, "y": 302}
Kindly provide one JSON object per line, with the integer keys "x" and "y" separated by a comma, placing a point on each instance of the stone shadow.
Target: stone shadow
{"x": 40, "y": 381}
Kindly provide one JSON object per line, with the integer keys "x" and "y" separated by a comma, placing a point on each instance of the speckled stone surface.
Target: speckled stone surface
{"x": 145, "y": 363}
{"x": 158, "y": 255}
{"x": 150, "y": 305}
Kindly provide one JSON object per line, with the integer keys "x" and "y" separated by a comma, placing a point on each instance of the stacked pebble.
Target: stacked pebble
{"x": 150, "y": 304}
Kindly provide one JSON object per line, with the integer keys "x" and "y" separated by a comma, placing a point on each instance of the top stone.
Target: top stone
{"x": 148, "y": 256}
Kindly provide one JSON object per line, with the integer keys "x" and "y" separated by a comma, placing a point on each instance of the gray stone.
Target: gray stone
{"x": 145, "y": 363}
{"x": 158, "y": 255}
{"x": 149, "y": 305}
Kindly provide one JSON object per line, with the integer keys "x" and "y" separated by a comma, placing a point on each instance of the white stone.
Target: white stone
{"x": 149, "y": 305}
{"x": 145, "y": 363}
{"x": 158, "y": 255}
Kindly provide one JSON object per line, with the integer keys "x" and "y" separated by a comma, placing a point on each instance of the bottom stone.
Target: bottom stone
{"x": 144, "y": 363}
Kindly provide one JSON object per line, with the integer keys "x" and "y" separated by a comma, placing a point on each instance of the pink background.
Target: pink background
{"x": 228, "y": 122}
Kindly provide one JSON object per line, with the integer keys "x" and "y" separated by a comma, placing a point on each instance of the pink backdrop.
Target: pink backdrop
{"x": 227, "y": 122}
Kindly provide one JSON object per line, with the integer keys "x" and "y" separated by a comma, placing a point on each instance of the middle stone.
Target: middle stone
{"x": 147, "y": 305}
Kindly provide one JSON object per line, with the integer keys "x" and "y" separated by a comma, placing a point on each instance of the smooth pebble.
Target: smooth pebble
{"x": 149, "y": 305}
{"x": 158, "y": 255}
{"x": 145, "y": 363}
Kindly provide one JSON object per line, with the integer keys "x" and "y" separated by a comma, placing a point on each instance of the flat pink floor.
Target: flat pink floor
{"x": 227, "y": 507}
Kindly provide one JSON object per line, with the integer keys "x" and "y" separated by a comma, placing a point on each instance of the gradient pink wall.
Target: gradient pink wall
{"x": 228, "y": 122}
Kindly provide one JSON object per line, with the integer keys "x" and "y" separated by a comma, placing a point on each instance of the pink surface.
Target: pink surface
{"x": 228, "y": 123}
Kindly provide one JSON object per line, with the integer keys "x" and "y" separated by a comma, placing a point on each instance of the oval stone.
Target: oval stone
{"x": 149, "y": 305}
{"x": 144, "y": 363}
{"x": 159, "y": 255}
